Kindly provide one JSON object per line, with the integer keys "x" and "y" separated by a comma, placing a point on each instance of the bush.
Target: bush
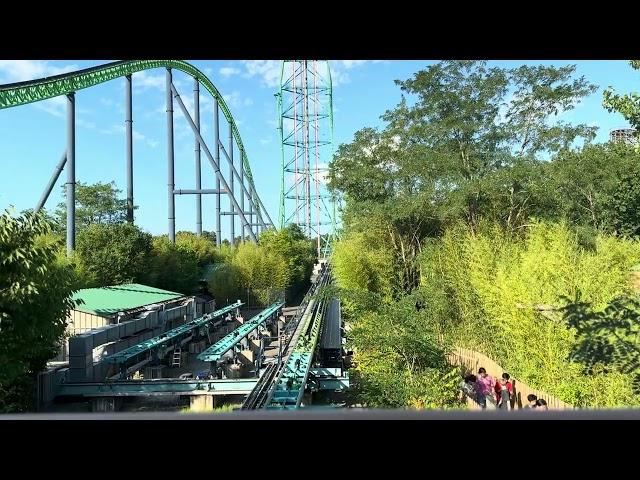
{"x": 172, "y": 267}
{"x": 113, "y": 254}
{"x": 35, "y": 299}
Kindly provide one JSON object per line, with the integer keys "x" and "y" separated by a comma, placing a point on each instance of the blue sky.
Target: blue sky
{"x": 32, "y": 137}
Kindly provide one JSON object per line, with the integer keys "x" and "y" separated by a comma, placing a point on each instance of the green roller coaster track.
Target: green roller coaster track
{"x": 22, "y": 93}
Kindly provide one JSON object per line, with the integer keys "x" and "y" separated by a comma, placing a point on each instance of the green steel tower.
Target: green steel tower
{"x": 305, "y": 114}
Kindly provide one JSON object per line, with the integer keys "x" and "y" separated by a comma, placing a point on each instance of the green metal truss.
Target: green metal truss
{"x": 285, "y": 140}
{"x": 15, "y": 94}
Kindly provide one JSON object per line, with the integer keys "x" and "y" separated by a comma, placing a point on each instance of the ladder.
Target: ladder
{"x": 177, "y": 357}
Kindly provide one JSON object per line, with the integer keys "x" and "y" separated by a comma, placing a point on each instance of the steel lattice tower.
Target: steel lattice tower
{"x": 305, "y": 111}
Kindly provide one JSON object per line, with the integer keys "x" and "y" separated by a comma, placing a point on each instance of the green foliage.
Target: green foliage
{"x": 587, "y": 187}
{"x": 173, "y": 267}
{"x": 504, "y": 292}
{"x": 627, "y": 105}
{"x": 202, "y": 247}
{"x": 399, "y": 363}
{"x": 621, "y": 207}
{"x": 282, "y": 260}
{"x": 607, "y": 338}
{"x": 113, "y": 254}
{"x": 299, "y": 252}
{"x": 95, "y": 203}
{"x": 441, "y": 206}
{"x": 35, "y": 299}
{"x": 225, "y": 283}
{"x": 262, "y": 271}
{"x": 360, "y": 266}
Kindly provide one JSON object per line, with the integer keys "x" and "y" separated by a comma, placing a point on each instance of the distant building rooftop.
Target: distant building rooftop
{"x": 107, "y": 301}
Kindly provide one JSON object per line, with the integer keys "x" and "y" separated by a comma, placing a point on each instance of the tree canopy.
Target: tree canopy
{"x": 95, "y": 203}
{"x": 35, "y": 297}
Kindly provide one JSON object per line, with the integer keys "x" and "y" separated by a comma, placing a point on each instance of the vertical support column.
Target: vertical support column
{"x": 307, "y": 163}
{"x": 251, "y": 221}
{"x": 244, "y": 225}
{"x": 128, "y": 124}
{"x": 71, "y": 173}
{"x": 232, "y": 224}
{"x": 216, "y": 133}
{"x": 196, "y": 120}
{"x": 170, "y": 161}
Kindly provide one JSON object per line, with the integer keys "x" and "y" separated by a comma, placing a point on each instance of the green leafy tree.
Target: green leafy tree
{"x": 225, "y": 284}
{"x": 399, "y": 362}
{"x": 35, "y": 298}
{"x": 621, "y": 207}
{"x": 173, "y": 267}
{"x": 211, "y": 236}
{"x": 461, "y": 148}
{"x": 202, "y": 247}
{"x": 608, "y": 337}
{"x": 587, "y": 186}
{"x": 261, "y": 271}
{"x": 539, "y": 94}
{"x": 113, "y": 253}
{"x": 95, "y": 203}
{"x": 297, "y": 250}
{"x": 627, "y": 105}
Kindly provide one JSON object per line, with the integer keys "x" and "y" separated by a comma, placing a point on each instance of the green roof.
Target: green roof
{"x": 106, "y": 301}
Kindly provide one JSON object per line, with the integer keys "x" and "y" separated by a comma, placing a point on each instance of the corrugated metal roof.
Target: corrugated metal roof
{"x": 106, "y": 301}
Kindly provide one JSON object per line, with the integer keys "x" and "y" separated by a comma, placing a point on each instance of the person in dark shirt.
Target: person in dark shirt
{"x": 533, "y": 401}
{"x": 467, "y": 388}
{"x": 541, "y": 404}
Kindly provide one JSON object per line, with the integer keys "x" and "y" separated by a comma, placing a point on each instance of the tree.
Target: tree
{"x": 209, "y": 236}
{"x": 587, "y": 184}
{"x": 173, "y": 267}
{"x": 541, "y": 92}
{"x": 202, "y": 247}
{"x": 261, "y": 271}
{"x": 621, "y": 207}
{"x": 460, "y": 149}
{"x": 399, "y": 362}
{"x": 463, "y": 125}
{"x": 113, "y": 254}
{"x": 627, "y": 105}
{"x": 609, "y": 337}
{"x": 95, "y": 203}
{"x": 297, "y": 250}
{"x": 35, "y": 299}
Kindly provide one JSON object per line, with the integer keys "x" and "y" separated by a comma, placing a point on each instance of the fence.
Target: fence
{"x": 472, "y": 361}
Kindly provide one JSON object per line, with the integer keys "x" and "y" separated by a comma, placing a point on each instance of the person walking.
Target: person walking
{"x": 504, "y": 391}
{"x": 484, "y": 386}
{"x": 467, "y": 388}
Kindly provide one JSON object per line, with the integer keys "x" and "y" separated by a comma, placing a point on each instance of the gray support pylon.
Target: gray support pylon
{"x": 214, "y": 164}
{"x": 196, "y": 120}
{"x": 235, "y": 172}
{"x": 52, "y": 182}
{"x": 216, "y": 134}
{"x": 244, "y": 225}
{"x": 170, "y": 161}
{"x": 71, "y": 173}
{"x": 232, "y": 223}
{"x": 259, "y": 222}
{"x": 128, "y": 124}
